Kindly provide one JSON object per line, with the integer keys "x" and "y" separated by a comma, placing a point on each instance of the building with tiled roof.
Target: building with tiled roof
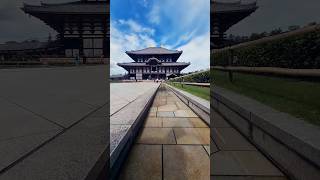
{"x": 226, "y": 14}
{"x": 153, "y": 63}
{"x": 82, "y": 26}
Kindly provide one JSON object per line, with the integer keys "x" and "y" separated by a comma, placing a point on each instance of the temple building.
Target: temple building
{"x": 226, "y": 14}
{"x": 82, "y": 26}
{"x": 153, "y": 63}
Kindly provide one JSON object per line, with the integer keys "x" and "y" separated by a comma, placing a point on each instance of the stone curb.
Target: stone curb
{"x": 291, "y": 143}
{"x": 119, "y": 154}
{"x": 312, "y": 73}
{"x": 201, "y": 109}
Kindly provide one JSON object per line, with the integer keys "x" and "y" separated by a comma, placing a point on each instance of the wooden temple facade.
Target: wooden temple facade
{"x": 153, "y": 63}
{"x": 226, "y": 14}
{"x": 82, "y": 26}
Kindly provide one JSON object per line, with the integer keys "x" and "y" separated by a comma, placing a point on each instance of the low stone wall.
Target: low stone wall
{"x": 199, "y": 106}
{"x": 290, "y": 143}
{"x": 311, "y": 73}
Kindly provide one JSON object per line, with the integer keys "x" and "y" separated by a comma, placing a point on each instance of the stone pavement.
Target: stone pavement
{"x": 121, "y": 94}
{"x": 53, "y": 122}
{"x": 234, "y": 158}
{"x": 173, "y": 144}
{"x": 127, "y": 102}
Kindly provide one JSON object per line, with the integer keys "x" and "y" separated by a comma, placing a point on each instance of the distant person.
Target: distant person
{"x": 77, "y": 59}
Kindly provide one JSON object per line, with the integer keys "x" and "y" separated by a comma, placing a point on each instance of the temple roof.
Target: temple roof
{"x": 237, "y": 6}
{"x": 77, "y": 7}
{"x": 154, "y": 51}
{"x": 226, "y": 14}
{"x": 134, "y": 64}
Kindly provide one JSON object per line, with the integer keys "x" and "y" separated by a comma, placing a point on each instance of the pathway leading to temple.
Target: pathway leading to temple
{"x": 173, "y": 144}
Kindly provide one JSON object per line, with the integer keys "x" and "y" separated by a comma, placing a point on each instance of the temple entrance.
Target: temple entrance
{"x": 154, "y": 76}
{"x": 153, "y": 68}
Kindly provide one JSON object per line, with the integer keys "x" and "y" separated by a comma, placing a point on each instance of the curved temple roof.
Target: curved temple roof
{"x": 238, "y": 6}
{"x": 226, "y": 14}
{"x": 154, "y": 51}
{"x": 77, "y": 7}
{"x": 145, "y": 64}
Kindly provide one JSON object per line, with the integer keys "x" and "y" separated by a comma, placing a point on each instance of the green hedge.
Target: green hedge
{"x": 201, "y": 77}
{"x": 296, "y": 51}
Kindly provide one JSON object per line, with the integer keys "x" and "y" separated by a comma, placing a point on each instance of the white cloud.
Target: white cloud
{"x": 135, "y": 27}
{"x": 183, "y": 38}
{"x": 197, "y": 52}
{"x": 190, "y": 17}
{"x": 121, "y": 41}
{"x": 154, "y": 15}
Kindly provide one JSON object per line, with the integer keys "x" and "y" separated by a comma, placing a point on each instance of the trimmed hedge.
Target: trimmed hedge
{"x": 297, "y": 51}
{"x": 201, "y": 77}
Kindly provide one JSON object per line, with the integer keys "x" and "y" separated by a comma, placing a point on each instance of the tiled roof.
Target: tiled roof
{"x": 154, "y": 50}
{"x": 78, "y": 7}
{"x": 163, "y": 64}
{"x": 219, "y": 6}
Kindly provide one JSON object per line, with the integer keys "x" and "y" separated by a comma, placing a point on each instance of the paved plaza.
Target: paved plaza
{"x": 53, "y": 122}
{"x": 173, "y": 144}
{"x": 122, "y": 94}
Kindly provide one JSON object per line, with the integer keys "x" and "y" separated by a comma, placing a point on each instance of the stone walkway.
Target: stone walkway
{"x": 123, "y": 94}
{"x": 234, "y": 158}
{"x": 173, "y": 144}
{"x": 53, "y": 122}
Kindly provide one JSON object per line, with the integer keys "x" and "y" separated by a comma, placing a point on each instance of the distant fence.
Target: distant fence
{"x": 300, "y": 49}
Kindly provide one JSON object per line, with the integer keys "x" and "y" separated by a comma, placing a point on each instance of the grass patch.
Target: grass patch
{"x": 202, "y": 92}
{"x": 294, "y": 96}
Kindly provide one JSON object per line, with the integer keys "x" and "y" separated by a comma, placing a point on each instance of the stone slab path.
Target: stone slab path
{"x": 173, "y": 144}
{"x": 52, "y": 122}
{"x": 121, "y": 94}
{"x": 234, "y": 158}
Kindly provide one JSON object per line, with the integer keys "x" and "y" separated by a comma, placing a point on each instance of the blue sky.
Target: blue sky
{"x": 173, "y": 24}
